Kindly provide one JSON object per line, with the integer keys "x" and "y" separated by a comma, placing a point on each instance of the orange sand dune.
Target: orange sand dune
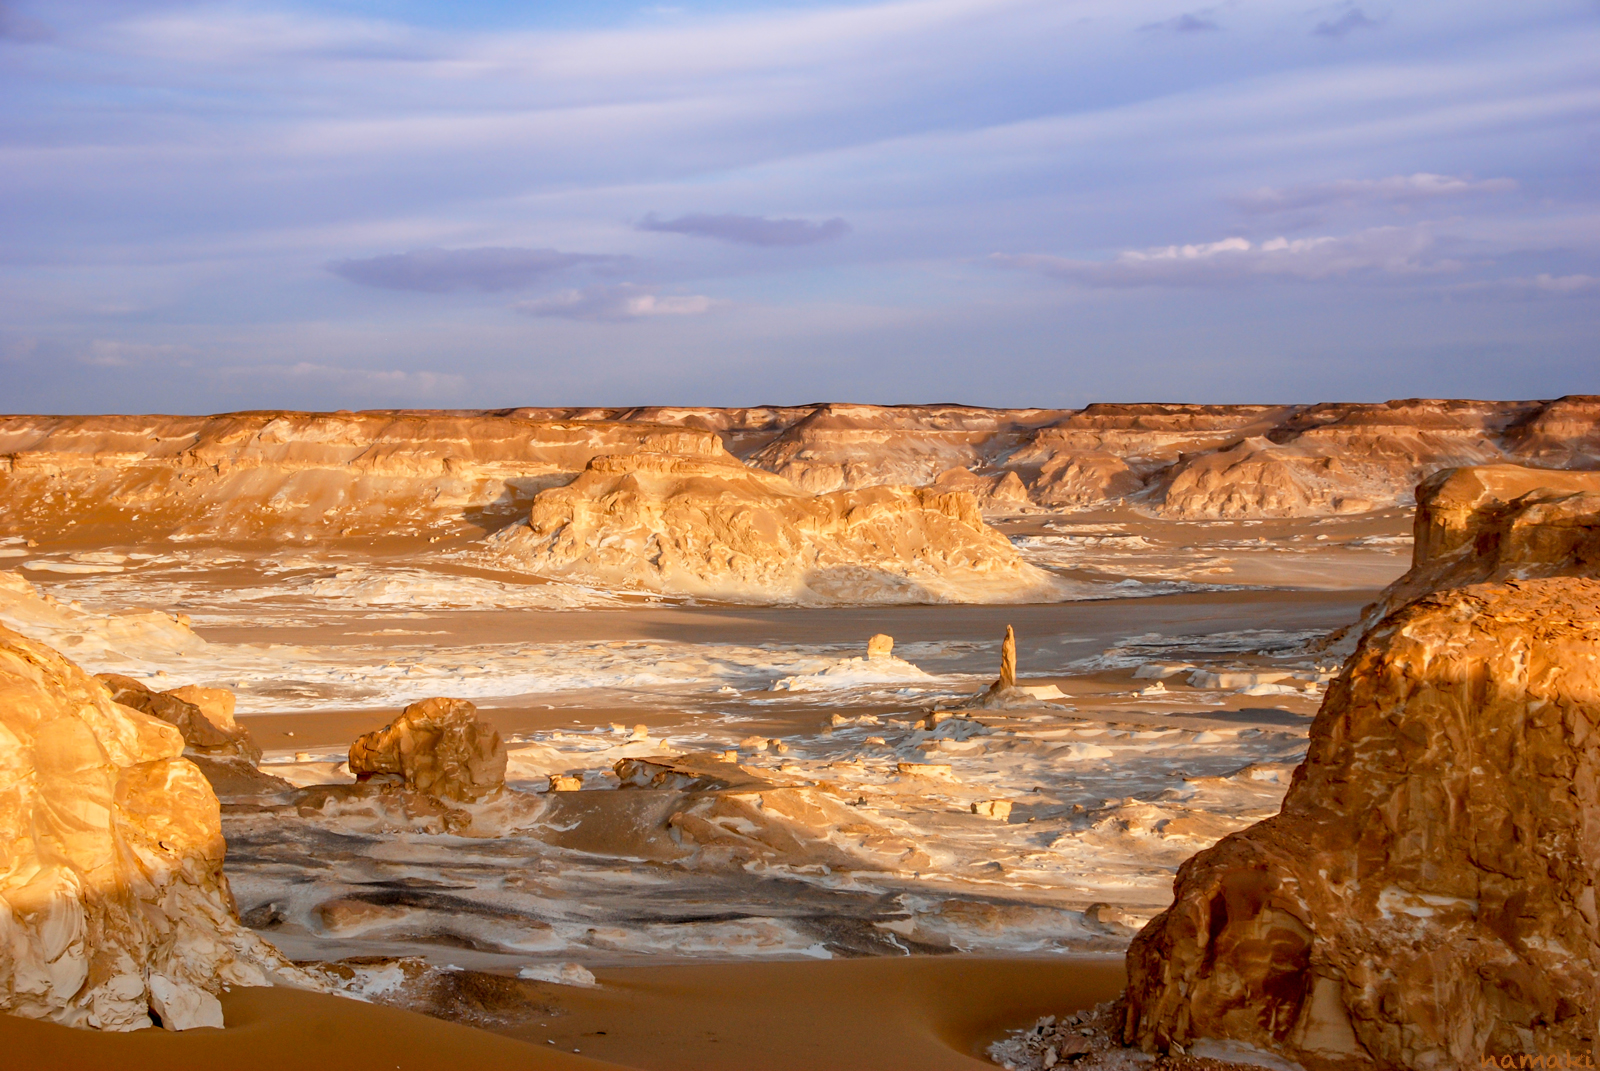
{"x": 913, "y": 1014}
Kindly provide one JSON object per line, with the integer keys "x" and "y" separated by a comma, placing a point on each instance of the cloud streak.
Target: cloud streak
{"x": 1188, "y": 22}
{"x": 1390, "y": 250}
{"x": 1396, "y": 189}
{"x": 615, "y": 304}
{"x": 1352, "y": 19}
{"x": 487, "y": 269}
{"x": 749, "y": 230}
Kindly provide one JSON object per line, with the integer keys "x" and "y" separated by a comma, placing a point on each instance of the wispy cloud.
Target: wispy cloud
{"x": 1188, "y": 22}
{"x": 1396, "y": 250}
{"x": 1352, "y": 18}
{"x": 1396, "y": 189}
{"x": 1544, "y": 284}
{"x": 618, "y": 303}
{"x": 488, "y": 269}
{"x": 117, "y": 353}
{"x": 398, "y": 382}
{"x": 749, "y": 230}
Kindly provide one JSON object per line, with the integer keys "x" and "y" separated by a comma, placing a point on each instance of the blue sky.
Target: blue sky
{"x": 209, "y": 206}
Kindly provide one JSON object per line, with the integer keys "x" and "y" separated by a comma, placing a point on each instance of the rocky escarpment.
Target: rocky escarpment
{"x": 714, "y": 528}
{"x": 113, "y": 904}
{"x": 1426, "y": 896}
{"x": 419, "y": 474}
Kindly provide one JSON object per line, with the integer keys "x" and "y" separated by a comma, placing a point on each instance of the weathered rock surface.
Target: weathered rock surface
{"x": 203, "y": 715}
{"x": 438, "y": 747}
{"x": 112, "y": 896}
{"x": 712, "y": 527}
{"x": 1426, "y": 897}
{"x": 292, "y": 475}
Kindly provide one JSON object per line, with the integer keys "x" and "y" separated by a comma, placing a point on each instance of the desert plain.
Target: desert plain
{"x": 828, "y": 736}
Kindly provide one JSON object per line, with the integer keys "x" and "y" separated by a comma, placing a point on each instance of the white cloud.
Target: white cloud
{"x": 614, "y": 303}
{"x": 1394, "y": 250}
{"x": 1396, "y": 189}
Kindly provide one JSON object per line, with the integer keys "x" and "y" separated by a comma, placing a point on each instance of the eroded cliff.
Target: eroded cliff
{"x": 427, "y": 474}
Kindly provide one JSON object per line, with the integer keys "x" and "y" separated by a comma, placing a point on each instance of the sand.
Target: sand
{"x": 905, "y": 1014}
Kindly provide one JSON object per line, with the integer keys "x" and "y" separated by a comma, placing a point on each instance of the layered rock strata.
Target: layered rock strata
{"x": 113, "y": 903}
{"x": 397, "y": 474}
{"x": 1426, "y": 897}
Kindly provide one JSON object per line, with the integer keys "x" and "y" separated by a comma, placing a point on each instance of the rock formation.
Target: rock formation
{"x": 1005, "y": 692}
{"x": 292, "y": 475}
{"x": 430, "y": 474}
{"x": 1426, "y": 897}
{"x": 203, "y": 715}
{"x": 712, "y": 527}
{"x": 1496, "y": 523}
{"x": 438, "y": 747}
{"x": 1008, "y": 663}
{"x": 879, "y": 647}
{"x": 113, "y": 903}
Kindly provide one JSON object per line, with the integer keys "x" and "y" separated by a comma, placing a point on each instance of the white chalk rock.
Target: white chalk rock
{"x": 183, "y": 1006}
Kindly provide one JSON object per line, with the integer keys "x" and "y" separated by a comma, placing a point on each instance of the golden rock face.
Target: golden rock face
{"x": 714, "y": 527}
{"x": 438, "y": 747}
{"x": 1426, "y": 896}
{"x": 112, "y": 897}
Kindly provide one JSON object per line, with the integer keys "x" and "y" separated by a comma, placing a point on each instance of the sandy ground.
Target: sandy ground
{"x": 1048, "y": 636}
{"x": 917, "y": 1014}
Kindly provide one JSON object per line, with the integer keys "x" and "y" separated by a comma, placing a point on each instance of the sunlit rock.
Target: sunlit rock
{"x": 712, "y": 527}
{"x": 1426, "y": 897}
{"x": 438, "y": 747}
{"x": 112, "y": 897}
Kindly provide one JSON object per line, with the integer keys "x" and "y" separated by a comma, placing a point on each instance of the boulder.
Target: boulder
{"x": 203, "y": 715}
{"x": 439, "y": 747}
{"x": 112, "y": 896}
{"x": 1426, "y": 897}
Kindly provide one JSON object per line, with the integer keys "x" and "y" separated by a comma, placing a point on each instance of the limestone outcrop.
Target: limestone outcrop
{"x": 1426, "y": 896}
{"x": 438, "y": 747}
{"x": 203, "y": 715}
{"x": 282, "y": 475}
{"x": 423, "y": 475}
{"x": 113, "y": 903}
{"x": 712, "y": 527}
{"x": 1497, "y": 523}
{"x": 1005, "y": 693}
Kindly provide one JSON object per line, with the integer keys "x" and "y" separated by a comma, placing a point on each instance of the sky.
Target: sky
{"x": 481, "y": 203}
